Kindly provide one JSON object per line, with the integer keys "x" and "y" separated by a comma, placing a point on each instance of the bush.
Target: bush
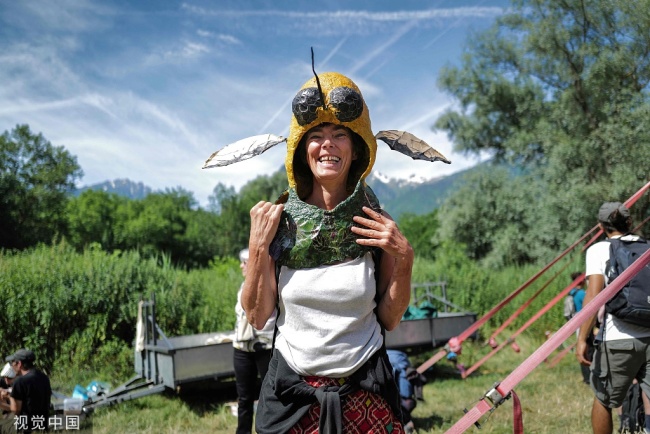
{"x": 69, "y": 307}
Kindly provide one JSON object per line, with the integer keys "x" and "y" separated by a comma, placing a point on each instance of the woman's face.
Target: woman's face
{"x": 330, "y": 152}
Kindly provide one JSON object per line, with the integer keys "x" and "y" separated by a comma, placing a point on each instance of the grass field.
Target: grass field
{"x": 554, "y": 400}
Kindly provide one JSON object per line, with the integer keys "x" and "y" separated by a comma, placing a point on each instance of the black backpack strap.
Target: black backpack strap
{"x": 610, "y": 268}
{"x": 277, "y": 304}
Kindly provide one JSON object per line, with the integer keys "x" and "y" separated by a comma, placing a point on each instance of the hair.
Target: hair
{"x": 617, "y": 222}
{"x": 304, "y": 177}
{"x": 27, "y": 364}
{"x": 243, "y": 255}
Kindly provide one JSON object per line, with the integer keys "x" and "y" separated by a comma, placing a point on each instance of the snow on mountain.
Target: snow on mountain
{"x": 380, "y": 177}
{"x": 411, "y": 180}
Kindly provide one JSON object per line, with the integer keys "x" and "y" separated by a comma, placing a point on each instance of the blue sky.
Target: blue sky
{"x": 147, "y": 90}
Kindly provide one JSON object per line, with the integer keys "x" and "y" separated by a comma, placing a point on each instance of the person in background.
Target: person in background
{"x": 7, "y": 376}
{"x": 251, "y": 357}
{"x": 6, "y": 381}
{"x": 578, "y": 294}
{"x": 406, "y": 376}
{"x": 622, "y": 349}
{"x": 30, "y": 395}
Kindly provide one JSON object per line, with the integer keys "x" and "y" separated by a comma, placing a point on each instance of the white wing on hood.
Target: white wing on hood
{"x": 242, "y": 150}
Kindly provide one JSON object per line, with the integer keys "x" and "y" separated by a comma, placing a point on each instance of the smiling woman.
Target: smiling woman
{"x": 334, "y": 265}
{"x": 325, "y": 242}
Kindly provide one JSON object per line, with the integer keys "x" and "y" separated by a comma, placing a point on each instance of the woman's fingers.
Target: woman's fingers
{"x": 265, "y": 218}
{"x": 380, "y": 231}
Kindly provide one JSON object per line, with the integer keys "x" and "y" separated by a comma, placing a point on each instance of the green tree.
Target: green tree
{"x": 164, "y": 223}
{"x": 560, "y": 88}
{"x": 492, "y": 220}
{"x": 35, "y": 179}
{"x": 234, "y": 209}
{"x": 232, "y": 226}
{"x": 201, "y": 239}
{"x": 167, "y": 223}
{"x": 420, "y": 230}
{"x": 92, "y": 219}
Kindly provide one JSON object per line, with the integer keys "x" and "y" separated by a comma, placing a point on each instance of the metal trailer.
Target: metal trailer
{"x": 168, "y": 362}
{"x": 425, "y": 334}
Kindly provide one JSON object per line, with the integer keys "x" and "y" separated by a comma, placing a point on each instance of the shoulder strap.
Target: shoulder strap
{"x": 277, "y": 304}
{"x": 376, "y": 257}
{"x": 611, "y": 269}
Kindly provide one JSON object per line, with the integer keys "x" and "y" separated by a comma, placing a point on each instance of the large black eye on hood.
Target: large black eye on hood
{"x": 304, "y": 105}
{"x": 348, "y": 102}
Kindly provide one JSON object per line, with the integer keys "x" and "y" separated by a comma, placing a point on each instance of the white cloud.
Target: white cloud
{"x": 205, "y": 33}
{"x": 342, "y": 22}
{"x": 354, "y": 15}
{"x": 229, "y": 39}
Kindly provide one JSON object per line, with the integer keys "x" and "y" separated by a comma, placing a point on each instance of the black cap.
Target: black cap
{"x": 608, "y": 210}
{"x": 23, "y": 355}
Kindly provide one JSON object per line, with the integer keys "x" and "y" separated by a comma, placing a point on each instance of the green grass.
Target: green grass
{"x": 554, "y": 400}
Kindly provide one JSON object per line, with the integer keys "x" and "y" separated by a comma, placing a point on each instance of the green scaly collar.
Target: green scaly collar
{"x": 309, "y": 236}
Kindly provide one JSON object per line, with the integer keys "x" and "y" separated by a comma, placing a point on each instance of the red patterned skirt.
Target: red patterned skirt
{"x": 363, "y": 412}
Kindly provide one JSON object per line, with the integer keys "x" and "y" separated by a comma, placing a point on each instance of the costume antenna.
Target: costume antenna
{"x": 320, "y": 91}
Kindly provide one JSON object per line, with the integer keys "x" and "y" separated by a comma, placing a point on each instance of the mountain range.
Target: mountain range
{"x": 122, "y": 187}
{"x": 399, "y": 196}
{"x": 413, "y": 196}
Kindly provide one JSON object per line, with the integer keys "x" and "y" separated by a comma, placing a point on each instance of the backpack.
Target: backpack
{"x": 632, "y": 416}
{"x": 632, "y": 302}
{"x": 569, "y": 306}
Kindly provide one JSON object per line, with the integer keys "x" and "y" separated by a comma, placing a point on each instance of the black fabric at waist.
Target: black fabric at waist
{"x": 285, "y": 397}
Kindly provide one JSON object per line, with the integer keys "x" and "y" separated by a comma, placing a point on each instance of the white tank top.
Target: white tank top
{"x": 327, "y": 325}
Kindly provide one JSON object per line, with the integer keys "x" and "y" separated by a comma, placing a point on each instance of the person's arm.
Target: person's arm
{"x": 16, "y": 405}
{"x": 596, "y": 285}
{"x": 4, "y": 400}
{"x": 259, "y": 292}
{"x": 395, "y": 268}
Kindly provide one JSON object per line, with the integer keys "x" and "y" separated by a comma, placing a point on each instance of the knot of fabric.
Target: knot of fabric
{"x": 331, "y": 411}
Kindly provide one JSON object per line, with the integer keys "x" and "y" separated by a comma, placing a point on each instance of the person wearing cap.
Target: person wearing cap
{"x": 30, "y": 395}
{"x": 6, "y": 381}
{"x": 622, "y": 349}
{"x": 252, "y": 352}
{"x": 7, "y": 376}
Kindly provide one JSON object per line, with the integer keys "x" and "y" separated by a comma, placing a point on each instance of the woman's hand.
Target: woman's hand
{"x": 265, "y": 218}
{"x": 381, "y": 231}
